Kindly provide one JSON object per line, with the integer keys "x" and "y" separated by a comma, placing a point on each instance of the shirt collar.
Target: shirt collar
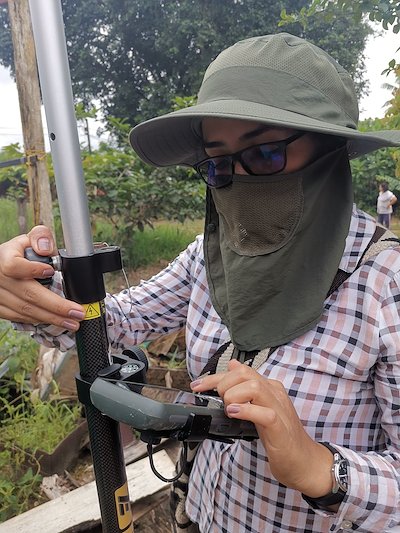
{"x": 362, "y": 228}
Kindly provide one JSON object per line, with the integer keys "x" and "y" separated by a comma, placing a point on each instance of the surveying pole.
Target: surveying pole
{"x": 82, "y": 265}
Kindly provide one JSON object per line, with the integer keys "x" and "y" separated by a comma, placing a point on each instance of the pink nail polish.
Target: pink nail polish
{"x": 233, "y": 409}
{"x": 74, "y": 313}
{"x": 71, "y": 326}
{"x": 44, "y": 244}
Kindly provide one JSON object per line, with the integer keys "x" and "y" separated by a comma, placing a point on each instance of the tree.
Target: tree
{"x": 129, "y": 195}
{"x": 133, "y": 56}
{"x": 373, "y": 168}
{"x": 14, "y": 183}
{"x": 392, "y": 114}
{"x": 386, "y": 12}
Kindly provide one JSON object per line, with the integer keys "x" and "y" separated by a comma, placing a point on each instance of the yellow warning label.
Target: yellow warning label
{"x": 92, "y": 310}
{"x": 124, "y": 512}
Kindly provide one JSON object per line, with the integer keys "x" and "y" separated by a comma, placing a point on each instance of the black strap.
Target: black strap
{"x": 339, "y": 278}
{"x": 341, "y": 275}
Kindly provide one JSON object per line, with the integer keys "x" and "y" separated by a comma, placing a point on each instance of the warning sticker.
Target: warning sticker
{"x": 92, "y": 310}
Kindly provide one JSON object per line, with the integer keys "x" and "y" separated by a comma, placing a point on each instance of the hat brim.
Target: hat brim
{"x": 174, "y": 139}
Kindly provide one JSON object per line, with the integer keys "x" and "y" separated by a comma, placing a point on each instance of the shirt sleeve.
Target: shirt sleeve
{"x": 153, "y": 308}
{"x": 372, "y": 502}
{"x": 47, "y": 334}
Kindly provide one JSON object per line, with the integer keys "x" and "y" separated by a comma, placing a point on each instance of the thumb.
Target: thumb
{"x": 42, "y": 240}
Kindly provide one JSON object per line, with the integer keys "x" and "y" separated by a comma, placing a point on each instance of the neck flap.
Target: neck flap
{"x": 272, "y": 248}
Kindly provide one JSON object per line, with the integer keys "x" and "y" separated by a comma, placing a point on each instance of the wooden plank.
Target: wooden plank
{"x": 80, "y": 506}
{"x": 145, "y": 505}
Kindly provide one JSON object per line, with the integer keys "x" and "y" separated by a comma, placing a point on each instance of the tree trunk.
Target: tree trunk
{"x": 30, "y": 104}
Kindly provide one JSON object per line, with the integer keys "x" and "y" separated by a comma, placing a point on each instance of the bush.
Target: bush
{"x": 128, "y": 196}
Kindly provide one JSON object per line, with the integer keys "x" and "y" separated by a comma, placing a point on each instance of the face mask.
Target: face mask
{"x": 272, "y": 248}
{"x": 259, "y": 214}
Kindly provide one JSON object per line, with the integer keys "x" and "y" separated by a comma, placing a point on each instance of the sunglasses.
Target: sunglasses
{"x": 261, "y": 159}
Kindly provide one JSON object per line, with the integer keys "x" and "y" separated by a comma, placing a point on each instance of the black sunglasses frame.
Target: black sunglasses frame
{"x": 237, "y": 157}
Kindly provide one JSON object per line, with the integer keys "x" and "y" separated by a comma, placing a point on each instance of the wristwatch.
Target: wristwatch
{"x": 340, "y": 482}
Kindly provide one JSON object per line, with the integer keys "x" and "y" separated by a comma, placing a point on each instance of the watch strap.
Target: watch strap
{"x": 325, "y": 501}
{"x": 332, "y": 498}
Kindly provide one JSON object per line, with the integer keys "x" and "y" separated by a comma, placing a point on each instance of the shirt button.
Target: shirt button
{"x": 346, "y": 525}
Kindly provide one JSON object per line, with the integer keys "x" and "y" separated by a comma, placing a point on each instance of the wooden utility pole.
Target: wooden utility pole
{"x": 30, "y": 104}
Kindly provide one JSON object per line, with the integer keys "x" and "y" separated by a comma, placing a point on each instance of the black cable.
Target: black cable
{"x": 153, "y": 468}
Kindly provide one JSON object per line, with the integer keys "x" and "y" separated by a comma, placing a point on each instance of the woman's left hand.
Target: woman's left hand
{"x": 296, "y": 460}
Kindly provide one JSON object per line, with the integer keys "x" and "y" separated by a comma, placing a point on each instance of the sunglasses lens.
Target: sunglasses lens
{"x": 264, "y": 158}
{"x": 216, "y": 172}
{"x": 260, "y": 160}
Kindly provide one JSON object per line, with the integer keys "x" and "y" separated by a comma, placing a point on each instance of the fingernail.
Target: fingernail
{"x": 74, "y": 313}
{"x": 72, "y": 326}
{"x": 44, "y": 244}
{"x": 196, "y": 383}
{"x": 48, "y": 273}
{"x": 233, "y": 409}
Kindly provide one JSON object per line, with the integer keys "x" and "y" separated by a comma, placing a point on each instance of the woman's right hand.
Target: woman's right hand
{"x": 22, "y": 298}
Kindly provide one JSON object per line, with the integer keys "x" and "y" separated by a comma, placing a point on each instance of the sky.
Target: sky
{"x": 379, "y": 51}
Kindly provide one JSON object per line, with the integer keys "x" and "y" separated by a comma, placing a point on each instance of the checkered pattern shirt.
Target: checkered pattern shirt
{"x": 343, "y": 377}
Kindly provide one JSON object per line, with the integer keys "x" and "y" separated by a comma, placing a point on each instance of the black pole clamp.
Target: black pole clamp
{"x": 89, "y": 271}
{"x": 131, "y": 365}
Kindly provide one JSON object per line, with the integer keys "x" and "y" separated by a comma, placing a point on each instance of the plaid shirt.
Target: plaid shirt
{"x": 343, "y": 377}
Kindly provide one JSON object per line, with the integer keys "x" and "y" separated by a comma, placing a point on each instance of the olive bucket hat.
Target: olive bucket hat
{"x": 280, "y": 80}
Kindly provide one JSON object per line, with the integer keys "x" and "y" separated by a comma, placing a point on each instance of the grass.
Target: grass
{"x": 395, "y": 226}
{"x": 41, "y": 425}
{"x": 164, "y": 242}
{"x": 25, "y": 425}
{"x": 26, "y": 428}
{"x": 150, "y": 246}
{"x": 8, "y": 219}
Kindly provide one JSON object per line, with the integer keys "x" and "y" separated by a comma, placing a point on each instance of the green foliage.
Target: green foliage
{"x": 119, "y": 131}
{"x": 164, "y": 242}
{"x": 136, "y": 69}
{"x": 392, "y": 115}
{"x": 24, "y": 426}
{"x": 83, "y": 112}
{"x": 135, "y": 56}
{"x": 13, "y": 179}
{"x": 8, "y": 219}
{"x": 373, "y": 168}
{"x": 181, "y": 102}
{"x": 25, "y": 429}
{"x": 386, "y": 12}
{"x": 37, "y": 426}
{"x": 18, "y": 353}
{"x": 17, "y": 486}
{"x": 129, "y": 195}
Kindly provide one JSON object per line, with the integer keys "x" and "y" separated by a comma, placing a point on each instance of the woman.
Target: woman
{"x": 384, "y": 205}
{"x": 313, "y": 362}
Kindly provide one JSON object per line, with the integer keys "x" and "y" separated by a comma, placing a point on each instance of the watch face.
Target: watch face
{"x": 342, "y": 475}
